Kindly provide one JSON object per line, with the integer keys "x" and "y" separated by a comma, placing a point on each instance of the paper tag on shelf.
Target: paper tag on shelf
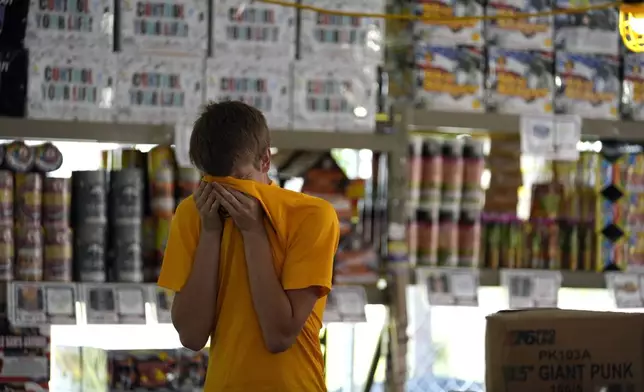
{"x": 551, "y": 137}
{"x": 100, "y": 303}
{"x": 115, "y": 303}
{"x": 626, "y": 289}
{"x": 531, "y": 288}
{"x": 36, "y": 304}
{"x": 162, "y": 300}
{"x": 182, "y": 132}
{"x": 130, "y": 303}
{"x": 349, "y": 302}
{"x": 450, "y": 286}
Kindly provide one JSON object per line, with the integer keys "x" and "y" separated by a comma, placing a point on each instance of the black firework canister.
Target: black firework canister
{"x": 90, "y": 250}
{"x": 89, "y": 217}
{"x": 89, "y": 191}
{"x": 6, "y": 198}
{"x": 125, "y": 251}
{"x": 6, "y": 253}
{"x": 57, "y": 265}
{"x": 28, "y": 199}
{"x": 126, "y": 224}
{"x": 56, "y": 202}
{"x": 29, "y": 253}
{"x": 126, "y": 197}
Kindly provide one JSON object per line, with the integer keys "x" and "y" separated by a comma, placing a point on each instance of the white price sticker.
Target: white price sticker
{"x": 450, "y": 286}
{"x": 182, "y": 133}
{"x": 532, "y": 288}
{"x": 100, "y": 304}
{"x": 37, "y": 304}
{"x": 551, "y": 137}
{"x": 349, "y": 302}
{"x": 626, "y": 289}
{"x": 115, "y": 303}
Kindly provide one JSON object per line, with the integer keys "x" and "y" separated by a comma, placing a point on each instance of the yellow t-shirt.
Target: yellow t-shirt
{"x": 304, "y": 233}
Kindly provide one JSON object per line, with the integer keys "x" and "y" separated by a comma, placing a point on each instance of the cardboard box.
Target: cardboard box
{"x": 554, "y": 350}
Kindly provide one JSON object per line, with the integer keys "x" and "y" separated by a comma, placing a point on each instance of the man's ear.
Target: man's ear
{"x": 265, "y": 162}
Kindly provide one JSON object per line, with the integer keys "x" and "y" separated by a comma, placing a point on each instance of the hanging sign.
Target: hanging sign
{"x": 551, "y": 137}
{"x": 117, "y": 303}
{"x": 531, "y": 288}
{"x": 162, "y": 300}
{"x": 626, "y": 289}
{"x": 450, "y": 286}
{"x": 177, "y": 27}
{"x": 347, "y": 304}
{"x": 34, "y": 304}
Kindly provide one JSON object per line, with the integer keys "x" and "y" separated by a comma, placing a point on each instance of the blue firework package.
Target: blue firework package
{"x": 443, "y": 30}
{"x": 520, "y": 81}
{"x": 529, "y": 33}
{"x": 587, "y": 85}
{"x": 449, "y": 78}
{"x": 589, "y": 32}
{"x": 13, "y": 23}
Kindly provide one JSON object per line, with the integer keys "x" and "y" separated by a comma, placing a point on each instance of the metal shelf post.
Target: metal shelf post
{"x": 400, "y": 272}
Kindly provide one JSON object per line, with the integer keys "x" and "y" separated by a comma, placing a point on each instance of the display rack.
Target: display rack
{"x": 164, "y": 134}
{"x": 510, "y": 124}
{"x": 404, "y": 120}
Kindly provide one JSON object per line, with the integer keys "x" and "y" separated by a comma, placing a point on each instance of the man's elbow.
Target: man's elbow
{"x": 278, "y": 343}
{"x": 192, "y": 342}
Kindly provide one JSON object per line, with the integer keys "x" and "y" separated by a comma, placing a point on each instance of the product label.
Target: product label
{"x": 328, "y": 95}
{"x": 566, "y": 370}
{"x": 252, "y": 29}
{"x": 159, "y": 89}
{"x": 443, "y": 28}
{"x": 164, "y": 26}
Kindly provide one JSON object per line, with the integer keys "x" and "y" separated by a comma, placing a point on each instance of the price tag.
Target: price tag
{"x": 162, "y": 300}
{"x": 115, "y": 303}
{"x": 182, "y": 133}
{"x": 450, "y": 286}
{"x": 626, "y": 289}
{"x": 350, "y": 302}
{"x": 532, "y": 288}
{"x": 551, "y": 137}
{"x": 100, "y": 303}
{"x": 37, "y": 304}
{"x": 130, "y": 303}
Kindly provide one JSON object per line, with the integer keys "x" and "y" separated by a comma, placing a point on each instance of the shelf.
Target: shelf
{"x": 322, "y": 141}
{"x": 84, "y": 131}
{"x": 571, "y": 279}
{"x": 508, "y": 123}
{"x": 11, "y": 128}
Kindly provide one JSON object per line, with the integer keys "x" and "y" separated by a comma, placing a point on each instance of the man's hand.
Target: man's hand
{"x": 208, "y": 205}
{"x": 246, "y": 211}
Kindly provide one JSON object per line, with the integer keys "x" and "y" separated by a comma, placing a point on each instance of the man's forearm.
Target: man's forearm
{"x": 194, "y": 308}
{"x": 271, "y": 303}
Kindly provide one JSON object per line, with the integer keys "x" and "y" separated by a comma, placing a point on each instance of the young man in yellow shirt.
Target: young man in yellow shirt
{"x": 260, "y": 304}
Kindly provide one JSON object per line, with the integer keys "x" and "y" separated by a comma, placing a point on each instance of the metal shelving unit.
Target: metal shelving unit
{"x": 163, "y": 134}
{"x": 404, "y": 121}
